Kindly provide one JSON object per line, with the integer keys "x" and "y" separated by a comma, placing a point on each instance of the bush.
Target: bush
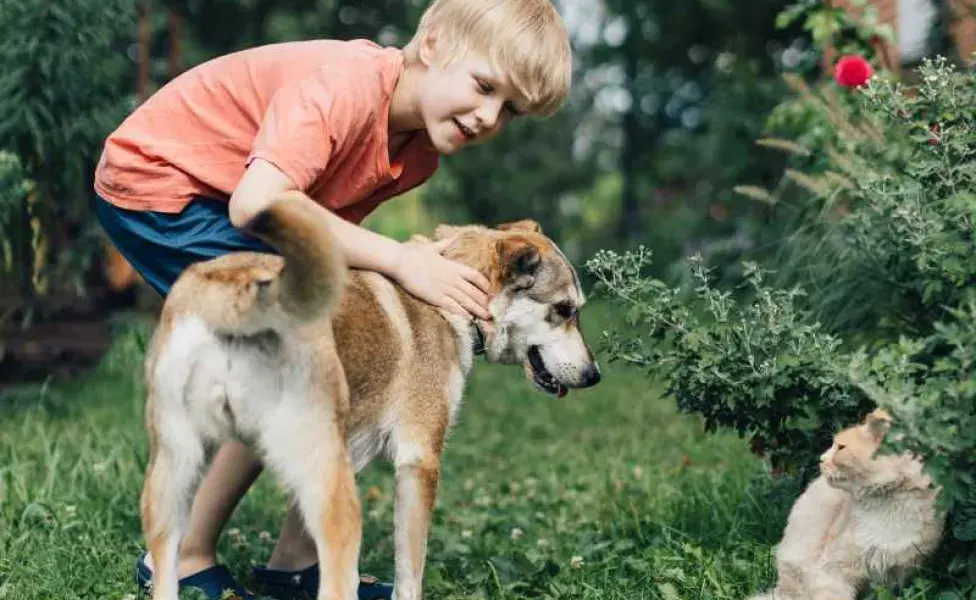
{"x": 929, "y": 385}
{"x": 62, "y": 90}
{"x": 15, "y": 187}
{"x": 757, "y": 366}
{"x": 891, "y": 239}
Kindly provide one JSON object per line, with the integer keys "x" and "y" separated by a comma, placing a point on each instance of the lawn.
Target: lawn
{"x": 605, "y": 494}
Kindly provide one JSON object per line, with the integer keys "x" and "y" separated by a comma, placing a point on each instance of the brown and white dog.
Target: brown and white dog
{"x": 321, "y": 368}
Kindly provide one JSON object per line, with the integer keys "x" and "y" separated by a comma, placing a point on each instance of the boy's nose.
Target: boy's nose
{"x": 488, "y": 116}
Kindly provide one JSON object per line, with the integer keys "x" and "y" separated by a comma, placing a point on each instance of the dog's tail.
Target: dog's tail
{"x": 314, "y": 269}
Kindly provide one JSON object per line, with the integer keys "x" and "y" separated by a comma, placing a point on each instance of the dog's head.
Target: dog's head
{"x": 536, "y": 304}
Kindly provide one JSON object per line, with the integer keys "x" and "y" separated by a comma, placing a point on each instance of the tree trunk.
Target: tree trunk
{"x": 175, "y": 37}
{"x": 259, "y": 21}
{"x": 484, "y": 213}
{"x": 630, "y": 221}
{"x": 941, "y": 40}
{"x": 142, "y": 83}
{"x": 116, "y": 270}
{"x": 26, "y": 255}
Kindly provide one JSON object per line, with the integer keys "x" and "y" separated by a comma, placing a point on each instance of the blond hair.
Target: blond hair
{"x": 524, "y": 39}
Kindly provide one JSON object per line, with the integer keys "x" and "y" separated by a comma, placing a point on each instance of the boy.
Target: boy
{"x": 349, "y": 123}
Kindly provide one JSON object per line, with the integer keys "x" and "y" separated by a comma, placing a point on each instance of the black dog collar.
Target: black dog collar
{"x": 478, "y": 346}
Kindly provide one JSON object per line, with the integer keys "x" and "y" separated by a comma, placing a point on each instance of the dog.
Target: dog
{"x": 321, "y": 368}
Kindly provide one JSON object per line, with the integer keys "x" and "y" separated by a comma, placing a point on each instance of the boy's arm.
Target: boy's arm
{"x": 263, "y": 182}
{"x": 419, "y": 268}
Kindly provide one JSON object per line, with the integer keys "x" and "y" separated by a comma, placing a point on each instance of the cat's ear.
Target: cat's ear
{"x": 877, "y": 424}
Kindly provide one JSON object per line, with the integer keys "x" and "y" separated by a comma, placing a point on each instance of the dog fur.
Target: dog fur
{"x": 321, "y": 369}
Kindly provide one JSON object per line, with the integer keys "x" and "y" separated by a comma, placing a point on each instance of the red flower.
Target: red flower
{"x": 852, "y": 71}
{"x": 934, "y": 134}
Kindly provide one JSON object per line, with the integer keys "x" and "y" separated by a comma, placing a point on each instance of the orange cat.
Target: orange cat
{"x": 865, "y": 519}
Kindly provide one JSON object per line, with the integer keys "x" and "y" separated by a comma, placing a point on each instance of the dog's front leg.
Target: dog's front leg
{"x": 417, "y": 474}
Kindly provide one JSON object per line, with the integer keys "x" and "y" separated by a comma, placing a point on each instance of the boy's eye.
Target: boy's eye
{"x": 840, "y": 447}
{"x": 485, "y": 87}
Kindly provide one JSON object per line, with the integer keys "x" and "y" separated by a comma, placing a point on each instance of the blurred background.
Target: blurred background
{"x": 657, "y": 145}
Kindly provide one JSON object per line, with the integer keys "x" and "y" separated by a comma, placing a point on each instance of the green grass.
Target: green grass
{"x": 610, "y": 495}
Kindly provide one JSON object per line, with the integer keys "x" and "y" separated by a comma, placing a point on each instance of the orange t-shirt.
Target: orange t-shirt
{"x": 317, "y": 110}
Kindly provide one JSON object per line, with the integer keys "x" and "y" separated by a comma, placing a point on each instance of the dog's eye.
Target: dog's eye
{"x": 565, "y": 311}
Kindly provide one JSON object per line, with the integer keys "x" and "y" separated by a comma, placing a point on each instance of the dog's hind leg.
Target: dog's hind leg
{"x": 304, "y": 445}
{"x": 176, "y": 457}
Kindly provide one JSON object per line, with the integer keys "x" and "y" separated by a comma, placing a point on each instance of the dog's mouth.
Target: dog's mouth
{"x": 540, "y": 376}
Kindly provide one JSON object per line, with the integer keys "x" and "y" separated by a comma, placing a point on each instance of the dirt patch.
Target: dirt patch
{"x": 58, "y": 350}
{"x": 64, "y": 337}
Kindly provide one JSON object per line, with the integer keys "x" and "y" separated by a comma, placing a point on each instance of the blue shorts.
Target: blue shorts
{"x": 161, "y": 245}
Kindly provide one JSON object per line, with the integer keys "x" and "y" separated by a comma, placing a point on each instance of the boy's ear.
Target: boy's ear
{"x": 518, "y": 262}
{"x": 522, "y": 225}
{"x": 427, "y": 49}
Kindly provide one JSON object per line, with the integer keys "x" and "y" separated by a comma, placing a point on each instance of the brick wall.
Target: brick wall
{"x": 963, "y": 29}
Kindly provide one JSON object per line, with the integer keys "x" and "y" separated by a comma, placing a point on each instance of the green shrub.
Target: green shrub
{"x": 929, "y": 385}
{"x": 757, "y": 366}
{"x": 890, "y": 237}
{"x": 14, "y": 190}
{"x": 882, "y": 233}
{"x": 65, "y": 85}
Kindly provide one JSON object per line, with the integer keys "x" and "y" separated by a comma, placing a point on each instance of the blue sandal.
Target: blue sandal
{"x": 215, "y": 582}
{"x": 304, "y": 585}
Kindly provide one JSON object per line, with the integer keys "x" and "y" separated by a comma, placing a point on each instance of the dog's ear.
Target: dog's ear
{"x": 527, "y": 225}
{"x": 519, "y": 261}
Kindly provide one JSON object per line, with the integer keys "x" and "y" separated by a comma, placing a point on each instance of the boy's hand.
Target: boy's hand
{"x": 417, "y": 265}
{"x": 423, "y": 272}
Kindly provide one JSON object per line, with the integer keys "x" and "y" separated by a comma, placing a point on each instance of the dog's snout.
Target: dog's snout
{"x": 591, "y": 376}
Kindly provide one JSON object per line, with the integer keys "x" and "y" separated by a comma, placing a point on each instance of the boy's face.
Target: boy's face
{"x": 466, "y": 102}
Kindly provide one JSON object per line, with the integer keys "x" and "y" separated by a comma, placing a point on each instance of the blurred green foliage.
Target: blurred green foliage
{"x": 875, "y": 301}
{"x": 658, "y": 129}
{"x": 62, "y": 89}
